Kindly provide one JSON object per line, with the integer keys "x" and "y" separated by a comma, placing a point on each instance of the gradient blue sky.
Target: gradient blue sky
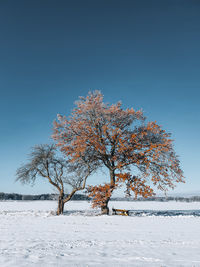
{"x": 144, "y": 53}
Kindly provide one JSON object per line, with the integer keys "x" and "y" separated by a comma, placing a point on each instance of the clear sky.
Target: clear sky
{"x": 144, "y": 53}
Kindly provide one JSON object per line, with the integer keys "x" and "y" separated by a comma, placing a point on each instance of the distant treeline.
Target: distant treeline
{"x": 13, "y": 196}
{"x": 161, "y": 199}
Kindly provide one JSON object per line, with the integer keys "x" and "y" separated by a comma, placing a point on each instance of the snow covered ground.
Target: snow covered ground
{"x": 30, "y": 235}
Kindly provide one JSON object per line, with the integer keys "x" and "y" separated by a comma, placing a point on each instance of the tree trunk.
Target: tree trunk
{"x": 104, "y": 207}
{"x": 112, "y": 177}
{"x": 60, "y": 204}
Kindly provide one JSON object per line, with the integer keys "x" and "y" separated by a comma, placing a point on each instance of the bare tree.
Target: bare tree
{"x": 45, "y": 162}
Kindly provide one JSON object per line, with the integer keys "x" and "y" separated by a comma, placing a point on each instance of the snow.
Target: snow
{"x": 30, "y": 235}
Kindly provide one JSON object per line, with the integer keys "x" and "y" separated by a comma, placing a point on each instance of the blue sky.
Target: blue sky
{"x": 144, "y": 53}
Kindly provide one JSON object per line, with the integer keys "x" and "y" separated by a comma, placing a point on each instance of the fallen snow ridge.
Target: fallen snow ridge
{"x": 31, "y": 236}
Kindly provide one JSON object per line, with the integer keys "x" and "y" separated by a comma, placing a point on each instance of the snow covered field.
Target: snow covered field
{"x": 31, "y": 236}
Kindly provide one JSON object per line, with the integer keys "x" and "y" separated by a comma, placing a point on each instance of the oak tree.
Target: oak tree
{"x": 136, "y": 153}
{"x": 45, "y": 161}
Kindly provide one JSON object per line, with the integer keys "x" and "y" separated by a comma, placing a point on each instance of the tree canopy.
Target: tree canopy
{"x": 137, "y": 153}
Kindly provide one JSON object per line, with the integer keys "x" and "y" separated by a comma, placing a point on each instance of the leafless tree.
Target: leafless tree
{"x": 44, "y": 161}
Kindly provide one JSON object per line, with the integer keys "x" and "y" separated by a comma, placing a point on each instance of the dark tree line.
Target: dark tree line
{"x": 14, "y": 196}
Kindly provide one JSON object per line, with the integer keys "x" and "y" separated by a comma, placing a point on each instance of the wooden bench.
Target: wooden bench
{"x": 120, "y": 212}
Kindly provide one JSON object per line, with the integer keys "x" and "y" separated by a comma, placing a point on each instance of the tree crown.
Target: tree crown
{"x": 120, "y": 140}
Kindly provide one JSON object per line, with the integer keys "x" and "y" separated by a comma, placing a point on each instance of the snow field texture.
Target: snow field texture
{"x": 30, "y": 235}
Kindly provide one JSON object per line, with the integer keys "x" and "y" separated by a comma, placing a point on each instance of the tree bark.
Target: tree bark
{"x": 104, "y": 207}
{"x": 60, "y": 204}
{"x": 112, "y": 177}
